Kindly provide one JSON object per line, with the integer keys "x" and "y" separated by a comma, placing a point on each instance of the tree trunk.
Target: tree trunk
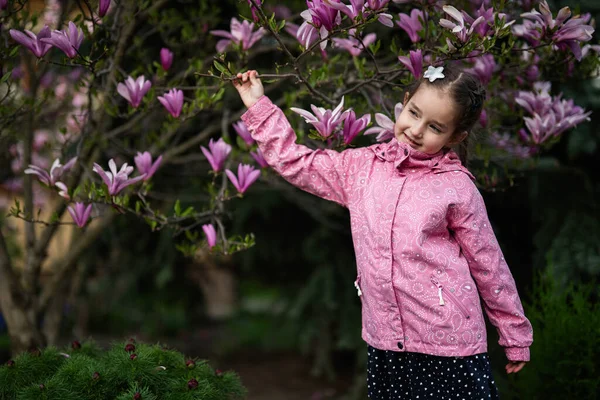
{"x": 54, "y": 316}
{"x": 23, "y": 331}
{"x": 217, "y": 282}
{"x": 16, "y": 308}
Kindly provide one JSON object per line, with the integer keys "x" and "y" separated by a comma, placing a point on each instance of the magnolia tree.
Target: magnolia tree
{"x": 99, "y": 99}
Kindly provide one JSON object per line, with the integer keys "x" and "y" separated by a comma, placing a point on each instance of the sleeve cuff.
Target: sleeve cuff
{"x": 517, "y": 353}
{"x": 255, "y": 114}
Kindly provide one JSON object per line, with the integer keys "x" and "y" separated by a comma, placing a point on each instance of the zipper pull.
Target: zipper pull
{"x": 439, "y": 286}
{"x": 357, "y": 288}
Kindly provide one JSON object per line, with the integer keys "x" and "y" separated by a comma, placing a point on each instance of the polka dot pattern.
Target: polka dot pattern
{"x": 393, "y": 375}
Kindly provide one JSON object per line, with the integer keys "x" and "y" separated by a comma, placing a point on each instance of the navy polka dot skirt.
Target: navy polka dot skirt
{"x": 393, "y": 375}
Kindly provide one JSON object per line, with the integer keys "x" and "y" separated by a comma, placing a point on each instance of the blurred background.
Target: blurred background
{"x": 285, "y": 315}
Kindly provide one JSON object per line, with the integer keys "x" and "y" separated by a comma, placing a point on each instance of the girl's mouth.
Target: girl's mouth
{"x": 411, "y": 142}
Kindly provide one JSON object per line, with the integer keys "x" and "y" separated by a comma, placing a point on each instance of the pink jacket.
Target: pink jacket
{"x": 425, "y": 249}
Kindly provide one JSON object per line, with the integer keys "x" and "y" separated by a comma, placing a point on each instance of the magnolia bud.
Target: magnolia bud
{"x": 75, "y": 345}
{"x": 137, "y": 396}
{"x": 218, "y": 372}
{"x": 10, "y": 363}
{"x": 133, "y": 356}
{"x": 129, "y": 348}
{"x": 190, "y": 364}
{"x": 95, "y": 376}
{"x": 192, "y": 384}
{"x": 42, "y": 387}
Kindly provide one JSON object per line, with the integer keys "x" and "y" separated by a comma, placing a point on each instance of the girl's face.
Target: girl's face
{"x": 427, "y": 121}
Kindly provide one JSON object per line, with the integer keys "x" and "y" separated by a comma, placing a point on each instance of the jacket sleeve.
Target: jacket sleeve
{"x": 471, "y": 227}
{"x": 325, "y": 173}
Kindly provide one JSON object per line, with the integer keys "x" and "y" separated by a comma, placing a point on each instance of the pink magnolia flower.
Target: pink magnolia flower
{"x": 281, "y": 12}
{"x": 32, "y": 42}
{"x": 414, "y": 62}
{"x": 3, "y": 4}
{"x": 242, "y": 130}
{"x": 67, "y": 40}
{"x": 143, "y": 162}
{"x": 412, "y": 24}
{"x": 246, "y": 176}
{"x": 259, "y": 158}
{"x": 254, "y": 10}
{"x": 173, "y": 102}
{"x": 384, "y": 18}
{"x": 510, "y": 145}
{"x": 80, "y": 213}
{"x": 484, "y": 68}
{"x": 309, "y": 33}
{"x": 385, "y": 130}
{"x": 103, "y": 7}
{"x": 529, "y": 31}
{"x": 353, "y": 45}
{"x": 459, "y": 28}
{"x": 353, "y": 10}
{"x": 322, "y": 15}
{"x": 218, "y": 153}
{"x": 134, "y": 90}
{"x": 52, "y": 177}
{"x": 324, "y": 121}
{"x": 242, "y": 33}
{"x": 211, "y": 234}
{"x": 565, "y": 35}
{"x": 353, "y": 126}
{"x": 116, "y": 180}
{"x": 551, "y": 116}
{"x": 166, "y": 58}
{"x": 537, "y": 102}
{"x": 487, "y": 25}
{"x": 320, "y": 18}
{"x": 483, "y": 119}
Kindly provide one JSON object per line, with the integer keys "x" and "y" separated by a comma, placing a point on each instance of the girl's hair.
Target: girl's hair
{"x": 468, "y": 94}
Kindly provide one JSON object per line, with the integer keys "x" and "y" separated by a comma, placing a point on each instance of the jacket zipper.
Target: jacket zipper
{"x": 449, "y": 294}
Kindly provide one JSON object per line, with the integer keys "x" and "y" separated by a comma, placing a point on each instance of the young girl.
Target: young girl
{"x": 424, "y": 246}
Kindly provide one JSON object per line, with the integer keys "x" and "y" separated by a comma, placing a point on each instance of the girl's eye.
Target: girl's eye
{"x": 435, "y": 128}
{"x": 413, "y": 112}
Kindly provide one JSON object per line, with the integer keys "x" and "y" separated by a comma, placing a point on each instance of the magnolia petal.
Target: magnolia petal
{"x": 233, "y": 179}
{"x": 454, "y": 13}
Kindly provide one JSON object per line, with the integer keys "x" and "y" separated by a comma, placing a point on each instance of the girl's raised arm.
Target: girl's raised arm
{"x": 326, "y": 173}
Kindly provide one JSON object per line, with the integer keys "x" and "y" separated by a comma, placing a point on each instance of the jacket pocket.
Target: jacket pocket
{"x": 442, "y": 292}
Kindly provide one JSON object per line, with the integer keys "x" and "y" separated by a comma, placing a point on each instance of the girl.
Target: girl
{"x": 424, "y": 246}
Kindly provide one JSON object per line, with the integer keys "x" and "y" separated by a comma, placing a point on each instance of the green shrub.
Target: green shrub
{"x": 128, "y": 370}
{"x": 565, "y": 355}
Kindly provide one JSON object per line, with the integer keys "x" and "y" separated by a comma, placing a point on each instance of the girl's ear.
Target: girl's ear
{"x": 458, "y": 137}
{"x": 405, "y": 98}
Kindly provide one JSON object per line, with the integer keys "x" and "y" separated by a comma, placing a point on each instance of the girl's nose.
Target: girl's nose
{"x": 417, "y": 130}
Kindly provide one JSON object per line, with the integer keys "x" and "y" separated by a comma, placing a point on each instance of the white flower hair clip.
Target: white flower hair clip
{"x": 433, "y": 73}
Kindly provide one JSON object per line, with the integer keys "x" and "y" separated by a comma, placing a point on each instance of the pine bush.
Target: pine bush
{"x": 128, "y": 370}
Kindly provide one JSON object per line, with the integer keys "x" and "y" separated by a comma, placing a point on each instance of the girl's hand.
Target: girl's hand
{"x": 249, "y": 87}
{"x": 514, "y": 366}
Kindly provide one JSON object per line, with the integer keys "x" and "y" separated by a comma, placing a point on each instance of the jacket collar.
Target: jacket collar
{"x": 404, "y": 156}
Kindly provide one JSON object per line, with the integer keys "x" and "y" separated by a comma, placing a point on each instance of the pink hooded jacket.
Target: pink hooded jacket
{"x": 425, "y": 249}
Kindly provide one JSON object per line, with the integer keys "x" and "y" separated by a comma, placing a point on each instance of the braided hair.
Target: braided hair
{"x": 468, "y": 94}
